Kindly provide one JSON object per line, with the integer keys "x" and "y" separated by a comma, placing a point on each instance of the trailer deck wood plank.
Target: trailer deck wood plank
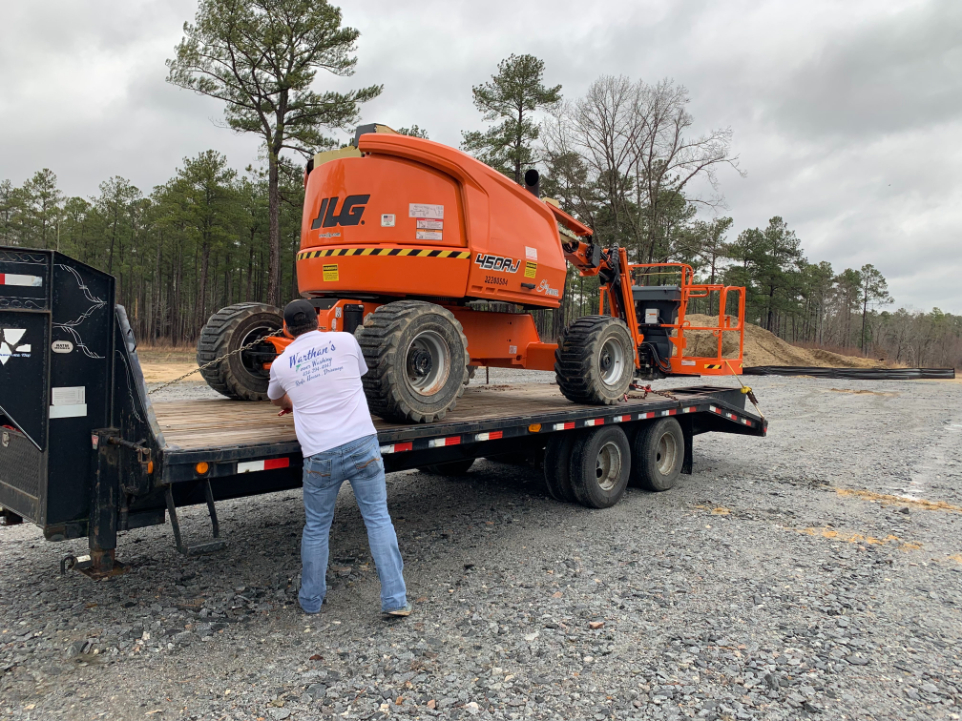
{"x": 198, "y": 424}
{"x": 218, "y": 423}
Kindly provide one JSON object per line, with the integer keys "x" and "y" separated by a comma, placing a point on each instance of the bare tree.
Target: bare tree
{"x": 604, "y": 122}
{"x": 668, "y": 159}
{"x": 635, "y": 142}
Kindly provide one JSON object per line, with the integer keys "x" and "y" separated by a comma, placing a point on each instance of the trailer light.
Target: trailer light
{"x": 150, "y": 467}
{"x": 202, "y": 468}
{"x": 534, "y": 427}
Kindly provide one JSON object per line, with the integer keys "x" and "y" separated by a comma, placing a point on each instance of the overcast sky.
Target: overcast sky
{"x": 847, "y": 114}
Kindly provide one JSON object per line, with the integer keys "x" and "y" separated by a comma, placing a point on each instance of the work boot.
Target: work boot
{"x": 403, "y": 611}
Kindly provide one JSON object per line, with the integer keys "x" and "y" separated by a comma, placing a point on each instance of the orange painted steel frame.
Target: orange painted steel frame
{"x": 680, "y": 363}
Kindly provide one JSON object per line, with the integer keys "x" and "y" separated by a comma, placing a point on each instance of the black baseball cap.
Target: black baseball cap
{"x": 300, "y": 314}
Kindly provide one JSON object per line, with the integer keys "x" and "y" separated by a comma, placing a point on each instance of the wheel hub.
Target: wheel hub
{"x": 420, "y": 362}
{"x": 255, "y": 357}
{"x": 667, "y": 454}
{"x": 428, "y": 363}
{"x": 608, "y": 466}
{"x": 605, "y": 362}
{"x": 612, "y": 362}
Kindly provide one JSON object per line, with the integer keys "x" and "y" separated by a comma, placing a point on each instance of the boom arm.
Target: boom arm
{"x": 613, "y": 269}
{"x": 610, "y": 264}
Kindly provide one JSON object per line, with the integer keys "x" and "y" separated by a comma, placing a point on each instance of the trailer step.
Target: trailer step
{"x": 196, "y": 549}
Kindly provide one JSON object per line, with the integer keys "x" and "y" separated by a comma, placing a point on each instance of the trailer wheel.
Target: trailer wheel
{"x": 557, "y": 466}
{"x": 242, "y": 375}
{"x": 600, "y": 464}
{"x": 595, "y": 360}
{"x": 417, "y": 355}
{"x": 454, "y": 468}
{"x": 657, "y": 453}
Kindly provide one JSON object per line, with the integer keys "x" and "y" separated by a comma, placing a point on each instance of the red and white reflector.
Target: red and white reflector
{"x": 440, "y": 442}
{"x": 563, "y": 426}
{"x": 396, "y": 447}
{"x": 268, "y": 464}
{"x": 30, "y": 281}
{"x": 595, "y": 422}
{"x": 492, "y": 436}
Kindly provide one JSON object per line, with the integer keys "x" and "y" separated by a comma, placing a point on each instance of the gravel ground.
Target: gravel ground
{"x": 759, "y": 588}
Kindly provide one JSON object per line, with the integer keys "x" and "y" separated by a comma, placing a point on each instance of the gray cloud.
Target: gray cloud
{"x": 846, "y": 115}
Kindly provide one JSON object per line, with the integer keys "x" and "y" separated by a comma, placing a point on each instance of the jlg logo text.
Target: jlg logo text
{"x": 351, "y": 212}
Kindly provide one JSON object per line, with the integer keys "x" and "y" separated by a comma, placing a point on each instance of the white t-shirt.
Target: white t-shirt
{"x": 321, "y": 372}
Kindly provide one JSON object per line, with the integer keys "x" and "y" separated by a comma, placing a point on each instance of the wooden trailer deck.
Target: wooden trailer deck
{"x": 199, "y": 424}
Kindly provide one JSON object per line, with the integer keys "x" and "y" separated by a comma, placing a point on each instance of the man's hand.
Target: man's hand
{"x": 285, "y": 404}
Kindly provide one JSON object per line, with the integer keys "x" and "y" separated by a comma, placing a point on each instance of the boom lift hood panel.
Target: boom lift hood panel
{"x": 413, "y": 197}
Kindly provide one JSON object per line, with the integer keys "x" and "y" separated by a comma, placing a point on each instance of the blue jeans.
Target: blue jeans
{"x": 360, "y": 463}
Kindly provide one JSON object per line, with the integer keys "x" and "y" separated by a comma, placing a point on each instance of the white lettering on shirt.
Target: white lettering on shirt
{"x": 321, "y": 373}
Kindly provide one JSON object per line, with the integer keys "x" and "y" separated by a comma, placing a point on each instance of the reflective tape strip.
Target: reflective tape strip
{"x": 492, "y": 436}
{"x": 714, "y": 409}
{"x": 268, "y": 464}
{"x": 449, "y": 441}
{"x": 595, "y": 422}
{"x": 688, "y": 410}
{"x": 621, "y": 419}
{"x": 396, "y": 447}
{"x": 31, "y": 281}
{"x": 562, "y": 426}
{"x": 414, "y": 252}
{"x": 649, "y": 414}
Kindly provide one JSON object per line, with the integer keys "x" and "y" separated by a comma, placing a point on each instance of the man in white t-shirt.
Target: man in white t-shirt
{"x": 318, "y": 377}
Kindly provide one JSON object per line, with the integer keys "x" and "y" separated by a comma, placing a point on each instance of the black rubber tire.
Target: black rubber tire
{"x": 454, "y": 468}
{"x": 226, "y": 331}
{"x": 650, "y": 468}
{"x": 583, "y": 357}
{"x": 386, "y": 339}
{"x": 557, "y": 466}
{"x": 470, "y": 377}
{"x": 600, "y": 466}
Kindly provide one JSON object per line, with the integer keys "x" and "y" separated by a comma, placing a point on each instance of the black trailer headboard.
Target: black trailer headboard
{"x": 56, "y": 380}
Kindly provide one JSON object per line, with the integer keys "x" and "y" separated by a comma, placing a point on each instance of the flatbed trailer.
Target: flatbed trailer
{"x": 84, "y": 452}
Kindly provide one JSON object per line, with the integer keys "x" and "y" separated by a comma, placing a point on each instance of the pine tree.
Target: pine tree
{"x": 511, "y": 98}
{"x": 261, "y": 57}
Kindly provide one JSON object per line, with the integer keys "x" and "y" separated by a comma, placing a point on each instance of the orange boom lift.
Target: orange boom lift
{"x": 427, "y": 255}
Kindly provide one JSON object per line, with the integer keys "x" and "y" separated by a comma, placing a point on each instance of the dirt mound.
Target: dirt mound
{"x": 834, "y": 360}
{"x": 763, "y": 348}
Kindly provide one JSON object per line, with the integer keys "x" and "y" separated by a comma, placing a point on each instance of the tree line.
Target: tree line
{"x": 624, "y": 157}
